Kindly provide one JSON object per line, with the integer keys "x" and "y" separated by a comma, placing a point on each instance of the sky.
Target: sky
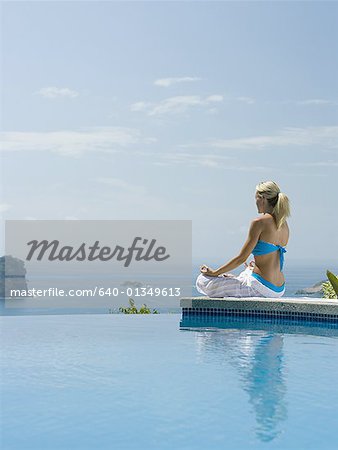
{"x": 173, "y": 110}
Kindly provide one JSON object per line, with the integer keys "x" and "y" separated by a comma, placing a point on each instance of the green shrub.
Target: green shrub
{"x": 328, "y": 290}
{"x": 330, "y": 287}
{"x": 333, "y": 279}
{"x": 133, "y": 310}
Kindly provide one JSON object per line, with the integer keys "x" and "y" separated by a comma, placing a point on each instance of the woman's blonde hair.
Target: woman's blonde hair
{"x": 279, "y": 201}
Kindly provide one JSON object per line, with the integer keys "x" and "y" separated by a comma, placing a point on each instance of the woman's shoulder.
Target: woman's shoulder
{"x": 267, "y": 224}
{"x": 263, "y": 218}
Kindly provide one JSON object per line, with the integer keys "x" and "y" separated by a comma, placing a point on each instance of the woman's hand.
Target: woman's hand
{"x": 251, "y": 264}
{"x": 207, "y": 271}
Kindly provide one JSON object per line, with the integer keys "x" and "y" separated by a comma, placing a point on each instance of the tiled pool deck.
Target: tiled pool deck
{"x": 302, "y": 308}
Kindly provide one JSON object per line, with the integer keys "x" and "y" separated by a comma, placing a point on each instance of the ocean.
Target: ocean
{"x": 298, "y": 275}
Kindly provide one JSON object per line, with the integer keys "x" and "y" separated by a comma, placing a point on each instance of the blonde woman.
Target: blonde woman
{"x": 267, "y": 238}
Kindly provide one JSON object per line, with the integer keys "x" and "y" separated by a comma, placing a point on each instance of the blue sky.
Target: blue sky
{"x": 173, "y": 110}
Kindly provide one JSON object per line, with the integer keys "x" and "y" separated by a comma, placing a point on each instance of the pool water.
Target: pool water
{"x": 143, "y": 382}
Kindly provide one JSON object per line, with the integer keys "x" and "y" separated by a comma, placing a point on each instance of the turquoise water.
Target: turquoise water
{"x": 142, "y": 382}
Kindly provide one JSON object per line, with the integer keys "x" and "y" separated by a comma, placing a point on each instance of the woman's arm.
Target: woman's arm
{"x": 255, "y": 230}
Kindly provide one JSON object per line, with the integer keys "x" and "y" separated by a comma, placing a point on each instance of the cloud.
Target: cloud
{"x": 288, "y": 137}
{"x": 140, "y": 106}
{"x": 166, "y": 82}
{"x": 176, "y": 105}
{"x": 122, "y": 199}
{"x": 121, "y": 185}
{"x": 53, "y": 92}
{"x": 316, "y": 101}
{"x": 74, "y": 143}
{"x": 212, "y": 111}
{"x": 208, "y": 161}
{"x": 247, "y": 100}
{"x": 4, "y": 207}
{"x": 193, "y": 159}
{"x": 214, "y": 98}
{"x": 317, "y": 164}
{"x": 312, "y": 101}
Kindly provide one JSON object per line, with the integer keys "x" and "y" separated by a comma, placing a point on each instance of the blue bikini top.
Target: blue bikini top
{"x": 262, "y": 248}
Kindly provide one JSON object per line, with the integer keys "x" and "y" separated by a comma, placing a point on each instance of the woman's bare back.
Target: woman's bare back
{"x": 268, "y": 265}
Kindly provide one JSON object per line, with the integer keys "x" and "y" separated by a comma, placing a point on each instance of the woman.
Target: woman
{"x": 267, "y": 238}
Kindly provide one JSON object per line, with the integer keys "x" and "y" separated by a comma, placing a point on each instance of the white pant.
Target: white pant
{"x": 243, "y": 285}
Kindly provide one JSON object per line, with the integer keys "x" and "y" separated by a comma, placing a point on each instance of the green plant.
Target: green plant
{"x": 328, "y": 290}
{"x": 132, "y": 309}
{"x": 330, "y": 287}
{"x": 333, "y": 280}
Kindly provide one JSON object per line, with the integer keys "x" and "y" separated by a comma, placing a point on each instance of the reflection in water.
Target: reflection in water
{"x": 258, "y": 359}
{"x": 265, "y": 385}
{"x": 255, "y": 348}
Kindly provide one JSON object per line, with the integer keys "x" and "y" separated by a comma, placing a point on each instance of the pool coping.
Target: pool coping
{"x": 302, "y": 307}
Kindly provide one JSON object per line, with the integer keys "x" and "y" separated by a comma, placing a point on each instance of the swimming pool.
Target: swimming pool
{"x": 142, "y": 382}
